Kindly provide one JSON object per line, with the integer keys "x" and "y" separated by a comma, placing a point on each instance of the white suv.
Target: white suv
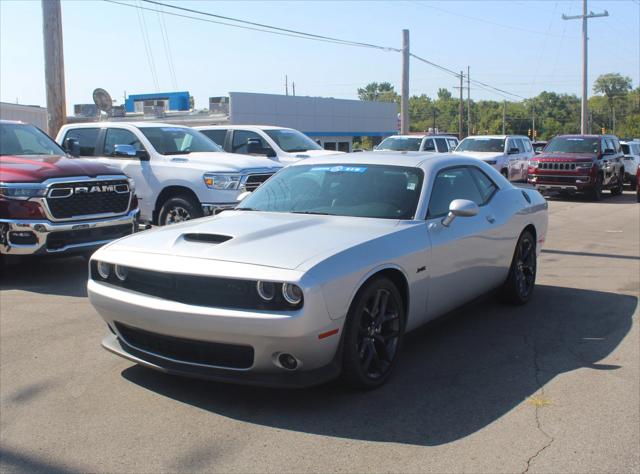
{"x": 631, "y": 152}
{"x": 286, "y": 145}
{"x": 432, "y": 143}
{"x": 179, "y": 173}
{"x": 509, "y": 154}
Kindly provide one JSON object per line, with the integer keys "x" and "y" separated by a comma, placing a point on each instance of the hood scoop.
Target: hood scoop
{"x": 206, "y": 238}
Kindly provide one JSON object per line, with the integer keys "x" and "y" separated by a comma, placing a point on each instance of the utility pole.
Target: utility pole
{"x": 293, "y": 88}
{"x": 461, "y": 108}
{"x": 286, "y": 85}
{"x": 533, "y": 120}
{"x": 404, "y": 100}
{"x": 53, "y": 65}
{"x": 504, "y": 116}
{"x": 468, "y": 100}
{"x": 584, "y": 113}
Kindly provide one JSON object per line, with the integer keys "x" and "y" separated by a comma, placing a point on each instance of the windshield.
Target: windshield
{"x": 573, "y": 145}
{"x": 358, "y": 190}
{"x": 23, "y": 139}
{"x": 178, "y": 140}
{"x": 400, "y": 144}
{"x": 292, "y": 141}
{"x": 491, "y": 145}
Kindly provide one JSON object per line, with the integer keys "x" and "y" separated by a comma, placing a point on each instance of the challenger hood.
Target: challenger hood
{"x": 481, "y": 155}
{"x": 271, "y": 239}
{"x": 224, "y": 162}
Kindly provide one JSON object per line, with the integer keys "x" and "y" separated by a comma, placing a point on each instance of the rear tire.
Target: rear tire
{"x": 521, "y": 280}
{"x": 179, "y": 209}
{"x": 373, "y": 335}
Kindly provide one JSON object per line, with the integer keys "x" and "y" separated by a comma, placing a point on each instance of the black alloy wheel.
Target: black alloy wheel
{"x": 522, "y": 274}
{"x": 618, "y": 189}
{"x": 596, "y": 192}
{"x": 373, "y": 335}
{"x": 179, "y": 209}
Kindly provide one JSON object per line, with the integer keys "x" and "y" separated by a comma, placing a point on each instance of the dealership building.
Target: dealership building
{"x": 333, "y": 123}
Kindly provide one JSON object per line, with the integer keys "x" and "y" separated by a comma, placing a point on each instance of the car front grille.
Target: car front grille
{"x": 87, "y": 198}
{"x": 557, "y": 166}
{"x": 559, "y": 179}
{"x": 192, "y": 351}
{"x": 255, "y": 180}
{"x": 60, "y": 239}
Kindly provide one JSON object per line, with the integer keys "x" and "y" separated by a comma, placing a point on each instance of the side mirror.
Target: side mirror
{"x": 72, "y": 146}
{"x": 243, "y": 196}
{"x": 254, "y": 147}
{"x": 513, "y": 151}
{"x": 460, "y": 208}
{"x": 127, "y": 151}
{"x": 609, "y": 151}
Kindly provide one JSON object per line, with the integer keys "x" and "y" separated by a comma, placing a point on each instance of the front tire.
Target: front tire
{"x": 373, "y": 335}
{"x": 179, "y": 209}
{"x": 521, "y": 280}
{"x": 619, "y": 188}
{"x": 596, "y": 192}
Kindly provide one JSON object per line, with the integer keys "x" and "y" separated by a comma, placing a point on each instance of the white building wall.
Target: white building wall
{"x": 24, "y": 113}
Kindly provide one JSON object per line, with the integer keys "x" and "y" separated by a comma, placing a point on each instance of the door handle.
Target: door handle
{"x": 491, "y": 219}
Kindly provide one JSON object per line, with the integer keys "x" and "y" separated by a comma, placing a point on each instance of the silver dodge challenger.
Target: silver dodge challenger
{"x": 321, "y": 271}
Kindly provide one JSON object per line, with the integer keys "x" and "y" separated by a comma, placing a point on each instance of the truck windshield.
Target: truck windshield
{"x": 23, "y": 139}
{"x": 491, "y": 145}
{"x": 358, "y": 190}
{"x": 292, "y": 141}
{"x": 573, "y": 145}
{"x": 178, "y": 140}
{"x": 400, "y": 144}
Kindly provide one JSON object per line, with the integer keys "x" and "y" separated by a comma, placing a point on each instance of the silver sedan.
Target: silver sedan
{"x": 321, "y": 271}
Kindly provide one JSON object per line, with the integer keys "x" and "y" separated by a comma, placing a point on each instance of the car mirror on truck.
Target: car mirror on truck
{"x": 72, "y": 147}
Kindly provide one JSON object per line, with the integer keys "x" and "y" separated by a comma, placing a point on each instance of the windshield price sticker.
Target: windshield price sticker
{"x": 341, "y": 169}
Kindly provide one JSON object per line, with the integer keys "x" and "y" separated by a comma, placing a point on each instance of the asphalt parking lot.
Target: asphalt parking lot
{"x": 550, "y": 387}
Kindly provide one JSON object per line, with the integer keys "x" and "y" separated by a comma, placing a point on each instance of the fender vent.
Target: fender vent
{"x": 206, "y": 238}
{"x": 526, "y": 196}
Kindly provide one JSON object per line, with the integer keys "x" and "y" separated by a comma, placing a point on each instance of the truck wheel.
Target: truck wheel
{"x": 179, "y": 209}
{"x": 619, "y": 187}
{"x": 596, "y": 192}
{"x": 522, "y": 275}
{"x": 373, "y": 335}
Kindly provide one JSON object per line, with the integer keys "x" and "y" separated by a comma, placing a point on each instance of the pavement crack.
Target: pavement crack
{"x": 550, "y": 439}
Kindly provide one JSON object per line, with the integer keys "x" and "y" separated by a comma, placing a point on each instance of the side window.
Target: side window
{"x": 527, "y": 145}
{"x": 450, "y": 184}
{"x": 486, "y": 187}
{"x": 616, "y": 144}
{"x": 519, "y": 145}
{"x": 452, "y": 144}
{"x": 609, "y": 144}
{"x": 218, "y": 136}
{"x": 441, "y": 143}
{"x": 120, "y": 136}
{"x": 87, "y": 137}
{"x": 240, "y": 139}
{"x": 428, "y": 145}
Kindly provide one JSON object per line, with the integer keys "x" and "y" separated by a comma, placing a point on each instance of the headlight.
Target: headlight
{"x": 584, "y": 166}
{"x": 292, "y": 293}
{"x": 25, "y": 191}
{"x": 222, "y": 181}
{"x": 104, "y": 270}
{"x": 120, "y": 271}
{"x": 266, "y": 290}
{"x": 534, "y": 163}
{"x": 132, "y": 185}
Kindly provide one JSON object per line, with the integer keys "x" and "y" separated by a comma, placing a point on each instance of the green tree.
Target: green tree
{"x": 613, "y": 86}
{"x": 380, "y": 92}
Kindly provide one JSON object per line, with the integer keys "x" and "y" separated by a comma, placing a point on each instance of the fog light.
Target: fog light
{"x": 121, "y": 272}
{"x": 23, "y": 238}
{"x": 292, "y": 293}
{"x": 104, "y": 270}
{"x": 288, "y": 361}
{"x": 266, "y": 290}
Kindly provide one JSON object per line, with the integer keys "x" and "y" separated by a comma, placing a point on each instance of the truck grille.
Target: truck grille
{"x": 69, "y": 200}
{"x": 217, "y": 354}
{"x": 557, "y": 166}
{"x": 255, "y": 180}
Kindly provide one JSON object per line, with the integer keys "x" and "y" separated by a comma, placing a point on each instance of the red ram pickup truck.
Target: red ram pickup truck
{"x": 52, "y": 204}
{"x": 579, "y": 163}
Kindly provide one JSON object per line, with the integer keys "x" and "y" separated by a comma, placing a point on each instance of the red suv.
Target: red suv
{"x": 52, "y": 204}
{"x": 579, "y": 163}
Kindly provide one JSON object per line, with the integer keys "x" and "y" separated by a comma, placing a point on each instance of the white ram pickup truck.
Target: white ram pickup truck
{"x": 179, "y": 173}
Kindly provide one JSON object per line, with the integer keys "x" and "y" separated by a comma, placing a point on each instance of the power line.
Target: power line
{"x": 167, "y": 49}
{"x": 147, "y": 47}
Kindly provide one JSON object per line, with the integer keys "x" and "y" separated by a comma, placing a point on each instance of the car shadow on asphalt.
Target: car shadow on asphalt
{"x": 627, "y": 197}
{"x": 65, "y": 276}
{"x": 454, "y": 377}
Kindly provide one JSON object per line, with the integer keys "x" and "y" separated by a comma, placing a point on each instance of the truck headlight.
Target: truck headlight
{"x": 22, "y": 191}
{"x": 132, "y": 185}
{"x": 222, "y": 180}
{"x": 584, "y": 166}
{"x": 533, "y": 163}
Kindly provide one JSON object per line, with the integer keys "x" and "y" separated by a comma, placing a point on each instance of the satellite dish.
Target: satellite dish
{"x": 102, "y": 99}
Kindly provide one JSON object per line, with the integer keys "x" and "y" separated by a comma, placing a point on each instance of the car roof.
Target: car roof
{"x": 13, "y": 121}
{"x": 426, "y": 135}
{"x": 496, "y": 136}
{"x": 115, "y": 124}
{"x": 236, "y": 127}
{"x": 391, "y": 158}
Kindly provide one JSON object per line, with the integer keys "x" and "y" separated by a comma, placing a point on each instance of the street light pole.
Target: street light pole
{"x": 404, "y": 93}
{"x": 584, "y": 17}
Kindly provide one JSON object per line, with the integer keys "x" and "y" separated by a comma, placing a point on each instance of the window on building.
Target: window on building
{"x": 343, "y": 146}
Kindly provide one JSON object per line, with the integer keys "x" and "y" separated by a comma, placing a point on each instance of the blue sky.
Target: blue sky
{"x": 520, "y": 46}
